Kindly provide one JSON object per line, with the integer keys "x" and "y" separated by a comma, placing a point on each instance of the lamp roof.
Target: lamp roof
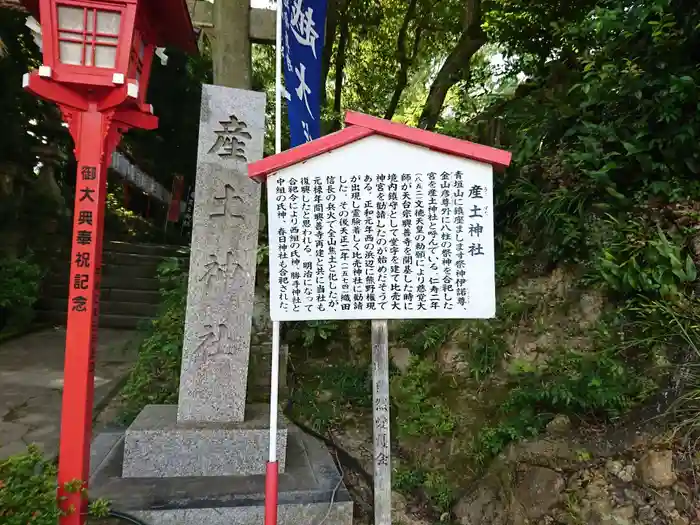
{"x": 172, "y": 22}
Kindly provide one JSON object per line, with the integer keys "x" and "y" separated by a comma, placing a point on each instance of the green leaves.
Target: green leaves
{"x": 327, "y": 393}
{"x": 636, "y": 263}
{"x": 314, "y": 332}
{"x": 28, "y": 490}
{"x": 421, "y": 411}
{"x": 156, "y": 376}
{"x": 598, "y": 384}
{"x": 19, "y": 283}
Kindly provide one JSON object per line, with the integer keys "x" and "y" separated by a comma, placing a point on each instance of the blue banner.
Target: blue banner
{"x": 304, "y": 22}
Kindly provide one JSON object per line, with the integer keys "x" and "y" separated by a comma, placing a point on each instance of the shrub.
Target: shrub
{"x": 156, "y": 376}
{"x": 329, "y": 390}
{"x": 19, "y": 290}
{"x": 598, "y": 385}
{"x": 421, "y": 411}
{"x": 28, "y": 490}
{"x": 424, "y": 338}
{"x": 636, "y": 262}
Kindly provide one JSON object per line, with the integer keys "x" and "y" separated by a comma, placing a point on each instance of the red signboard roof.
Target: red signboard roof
{"x": 174, "y": 27}
{"x": 359, "y": 125}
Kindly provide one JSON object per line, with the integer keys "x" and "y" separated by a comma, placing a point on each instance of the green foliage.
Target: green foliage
{"x": 424, "y": 338}
{"x": 17, "y": 106}
{"x": 481, "y": 342}
{"x": 675, "y": 327}
{"x": 406, "y": 479}
{"x": 329, "y": 392}
{"x": 603, "y": 128}
{"x": 595, "y": 385}
{"x": 125, "y": 224}
{"x": 421, "y": 409}
{"x": 493, "y": 439}
{"x": 308, "y": 337}
{"x": 604, "y": 176}
{"x": 687, "y": 406}
{"x": 313, "y": 332}
{"x": 156, "y": 376}
{"x": 99, "y": 508}
{"x": 530, "y": 33}
{"x": 510, "y": 259}
{"x": 19, "y": 290}
{"x": 483, "y": 347}
{"x": 653, "y": 266}
{"x": 28, "y": 491}
{"x": 434, "y": 484}
{"x": 19, "y": 283}
{"x": 439, "y": 490}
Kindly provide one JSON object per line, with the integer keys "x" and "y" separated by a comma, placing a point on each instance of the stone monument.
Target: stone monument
{"x": 203, "y": 461}
{"x": 208, "y": 427}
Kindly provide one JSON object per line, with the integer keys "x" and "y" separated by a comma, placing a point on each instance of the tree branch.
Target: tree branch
{"x": 404, "y": 60}
{"x": 457, "y": 62}
{"x": 331, "y": 27}
{"x": 339, "y": 68}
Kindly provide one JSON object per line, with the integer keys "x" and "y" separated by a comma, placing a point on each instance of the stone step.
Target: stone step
{"x": 152, "y": 297}
{"x": 112, "y": 270}
{"x": 127, "y": 322}
{"x": 162, "y": 250}
{"x": 130, "y": 283}
{"x": 108, "y": 307}
{"x": 131, "y": 296}
{"x": 135, "y": 259}
{"x": 147, "y": 272}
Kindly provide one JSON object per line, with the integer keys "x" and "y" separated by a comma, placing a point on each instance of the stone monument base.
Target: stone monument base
{"x": 157, "y": 446}
{"x": 311, "y": 491}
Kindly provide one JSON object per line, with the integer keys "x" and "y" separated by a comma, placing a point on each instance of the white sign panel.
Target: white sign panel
{"x": 381, "y": 229}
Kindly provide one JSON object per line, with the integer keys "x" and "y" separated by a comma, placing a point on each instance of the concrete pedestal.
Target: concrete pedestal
{"x": 156, "y": 445}
{"x": 311, "y": 490}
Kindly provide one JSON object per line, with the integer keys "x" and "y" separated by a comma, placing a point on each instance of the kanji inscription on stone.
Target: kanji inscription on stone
{"x": 231, "y": 139}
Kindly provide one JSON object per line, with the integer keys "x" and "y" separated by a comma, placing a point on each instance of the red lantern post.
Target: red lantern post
{"x": 97, "y": 58}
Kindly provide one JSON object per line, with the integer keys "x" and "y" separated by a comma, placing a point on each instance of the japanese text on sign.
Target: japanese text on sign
{"x": 85, "y": 271}
{"x": 381, "y": 245}
{"x": 86, "y": 199}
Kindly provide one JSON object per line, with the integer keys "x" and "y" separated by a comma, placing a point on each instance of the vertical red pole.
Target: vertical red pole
{"x": 83, "y": 310}
{"x": 271, "y": 492}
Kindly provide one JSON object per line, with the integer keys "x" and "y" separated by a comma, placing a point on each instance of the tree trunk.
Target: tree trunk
{"x": 331, "y": 27}
{"x": 405, "y": 61}
{"x": 339, "y": 69}
{"x": 231, "y": 45}
{"x": 472, "y": 39}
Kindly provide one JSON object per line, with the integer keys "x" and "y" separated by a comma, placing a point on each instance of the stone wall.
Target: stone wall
{"x": 641, "y": 479}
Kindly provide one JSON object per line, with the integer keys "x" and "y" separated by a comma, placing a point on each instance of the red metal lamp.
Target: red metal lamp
{"x": 97, "y": 58}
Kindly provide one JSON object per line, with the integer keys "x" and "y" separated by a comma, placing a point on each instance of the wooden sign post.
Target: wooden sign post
{"x": 380, "y": 412}
{"x": 381, "y": 221}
